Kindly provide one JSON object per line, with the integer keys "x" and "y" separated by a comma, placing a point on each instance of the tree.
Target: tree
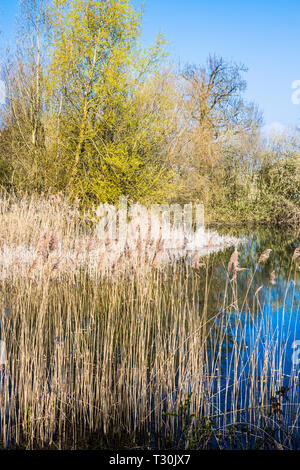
{"x": 214, "y": 94}
{"x": 214, "y": 125}
{"x": 22, "y": 138}
{"x": 99, "y": 82}
{"x": 279, "y": 177}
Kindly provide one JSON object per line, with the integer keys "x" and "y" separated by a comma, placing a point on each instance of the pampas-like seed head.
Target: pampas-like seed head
{"x": 296, "y": 254}
{"x": 264, "y": 256}
{"x": 273, "y": 278}
{"x": 233, "y": 265}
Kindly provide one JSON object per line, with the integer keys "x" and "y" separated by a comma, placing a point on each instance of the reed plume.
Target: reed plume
{"x": 264, "y": 256}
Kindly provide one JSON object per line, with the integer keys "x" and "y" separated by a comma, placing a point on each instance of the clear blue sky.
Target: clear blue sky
{"x": 263, "y": 34}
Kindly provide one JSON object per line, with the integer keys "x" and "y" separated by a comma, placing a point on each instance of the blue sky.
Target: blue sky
{"x": 262, "y": 34}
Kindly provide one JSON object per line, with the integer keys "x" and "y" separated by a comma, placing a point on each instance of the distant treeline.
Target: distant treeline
{"x": 91, "y": 113}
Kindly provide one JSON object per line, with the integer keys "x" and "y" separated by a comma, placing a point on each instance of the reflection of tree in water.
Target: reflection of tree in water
{"x": 265, "y": 295}
{"x": 282, "y": 243}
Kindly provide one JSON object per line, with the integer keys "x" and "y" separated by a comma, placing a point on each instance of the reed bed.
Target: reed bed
{"x": 134, "y": 357}
{"x": 49, "y": 233}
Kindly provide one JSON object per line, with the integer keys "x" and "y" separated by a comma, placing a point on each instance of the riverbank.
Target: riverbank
{"x": 195, "y": 353}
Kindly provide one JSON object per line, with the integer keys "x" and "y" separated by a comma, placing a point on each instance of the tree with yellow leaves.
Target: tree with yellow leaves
{"x": 107, "y": 135}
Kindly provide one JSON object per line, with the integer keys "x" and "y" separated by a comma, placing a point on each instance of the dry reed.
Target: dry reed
{"x": 100, "y": 361}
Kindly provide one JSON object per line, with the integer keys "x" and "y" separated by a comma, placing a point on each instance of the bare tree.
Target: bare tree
{"x": 22, "y": 117}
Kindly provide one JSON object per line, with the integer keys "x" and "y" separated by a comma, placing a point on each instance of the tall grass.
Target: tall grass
{"x": 134, "y": 357}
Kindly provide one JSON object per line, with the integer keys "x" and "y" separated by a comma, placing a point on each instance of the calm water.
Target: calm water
{"x": 269, "y": 321}
{"x": 265, "y": 330}
{"x": 279, "y": 300}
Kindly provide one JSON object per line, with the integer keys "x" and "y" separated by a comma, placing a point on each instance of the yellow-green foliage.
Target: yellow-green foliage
{"x": 92, "y": 114}
{"x": 100, "y": 84}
